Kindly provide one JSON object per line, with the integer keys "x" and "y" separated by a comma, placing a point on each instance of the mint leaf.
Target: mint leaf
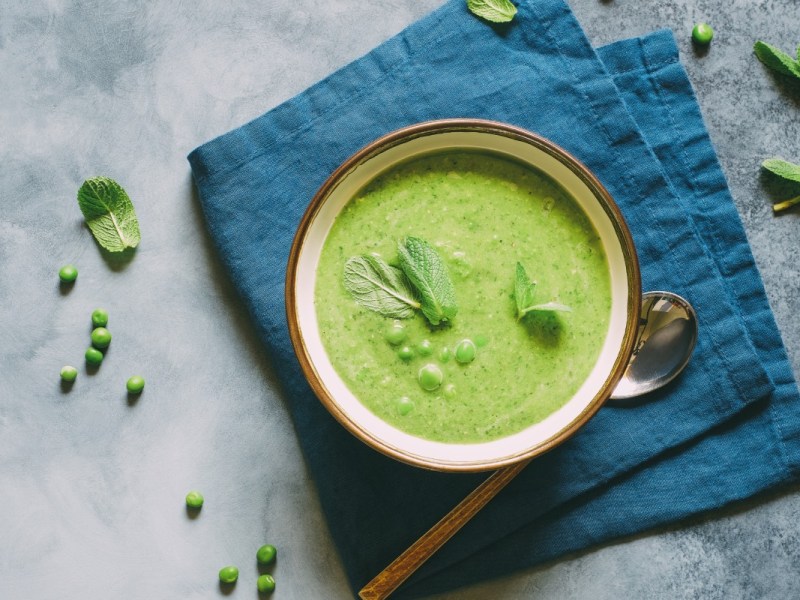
{"x": 109, "y": 214}
{"x": 777, "y": 60}
{"x": 496, "y": 11}
{"x": 523, "y": 290}
{"x": 428, "y": 274}
{"x": 782, "y": 168}
{"x": 523, "y": 296}
{"x": 379, "y": 287}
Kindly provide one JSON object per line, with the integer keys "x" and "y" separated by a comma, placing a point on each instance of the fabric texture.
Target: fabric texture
{"x": 728, "y": 428}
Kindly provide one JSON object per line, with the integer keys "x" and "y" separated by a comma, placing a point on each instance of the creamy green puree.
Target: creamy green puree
{"x": 482, "y": 213}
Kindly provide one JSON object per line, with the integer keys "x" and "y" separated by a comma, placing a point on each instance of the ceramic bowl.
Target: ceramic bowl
{"x": 521, "y": 146}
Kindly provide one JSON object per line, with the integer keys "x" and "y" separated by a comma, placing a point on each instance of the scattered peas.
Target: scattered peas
{"x": 194, "y": 499}
{"x": 68, "y": 273}
{"x": 404, "y": 405}
{"x": 449, "y": 390}
{"x": 465, "y": 351}
{"x": 425, "y": 348}
{"x": 406, "y": 353}
{"x": 135, "y": 384}
{"x": 101, "y": 337}
{"x": 228, "y": 574}
{"x": 99, "y": 317}
{"x": 266, "y": 554}
{"x": 93, "y": 356}
{"x": 396, "y": 333}
{"x": 445, "y": 355}
{"x": 430, "y": 377}
{"x": 68, "y": 373}
{"x": 265, "y": 583}
{"x": 702, "y": 33}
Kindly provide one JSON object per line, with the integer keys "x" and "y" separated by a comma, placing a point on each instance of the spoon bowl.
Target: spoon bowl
{"x": 666, "y": 338}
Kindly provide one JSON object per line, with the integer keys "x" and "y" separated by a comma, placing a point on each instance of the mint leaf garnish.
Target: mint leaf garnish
{"x": 782, "y": 168}
{"x": 524, "y": 293}
{"x": 428, "y": 274}
{"x": 380, "y": 287}
{"x": 777, "y": 60}
{"x": 109, "y": 214}
{"x": 523, "y": 290}
{"x": 496, "y": 11}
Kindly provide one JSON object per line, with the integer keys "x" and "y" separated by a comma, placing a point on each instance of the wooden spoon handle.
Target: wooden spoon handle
{"x": 401, "y": 568}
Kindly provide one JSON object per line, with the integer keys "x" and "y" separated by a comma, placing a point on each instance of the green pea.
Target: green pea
{"x": 395, "y": 334}
{"x": 481, "y": 340}
{"x": 702, "y": 33}
{"x": 101, "y": 337}
{"x": 425, "y": 348}
{"x": 265, "y": 584}
{"x": 68, "y": 273}
{"x": 445, "y": 355}
{"x": 228, "y": 574}
{"x": 404, "y": 405}
{"x": 99, "y": 317}
{"x": 69, "y": 373}
{"x": 430, "y": 377}
{"x": 194, "y": 499}
{"x": 93, "y": 356}
{"x": 266, "y": 554}
{"x": 449, "y": 390}
{"x": 465, "y": 352}
{"x": 406, "y": 353}
{"x": 135, "y": 384}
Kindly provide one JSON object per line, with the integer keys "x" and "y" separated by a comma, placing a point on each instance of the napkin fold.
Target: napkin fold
{"x": 726, "y": 429}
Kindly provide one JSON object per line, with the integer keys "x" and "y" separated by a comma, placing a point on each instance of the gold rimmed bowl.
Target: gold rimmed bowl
{"x": 522, "y": 147}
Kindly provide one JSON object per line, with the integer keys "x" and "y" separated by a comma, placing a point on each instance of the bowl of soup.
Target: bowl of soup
{"x": 462, "y": 294}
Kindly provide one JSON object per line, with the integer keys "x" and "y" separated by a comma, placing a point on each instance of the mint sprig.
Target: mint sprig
{"x": 524, "y": 290}
{"x": 777, "y": 60}
{"x": 427, "y": 273}
{"x": 495, "y": 11}
{"x": 421, "y": 283}
{"x": 109, "y": 214}
{"x": 785, "y": 170}
{"x": 380, "y": 287}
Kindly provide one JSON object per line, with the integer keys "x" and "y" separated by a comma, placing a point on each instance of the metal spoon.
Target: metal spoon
{"x": 666, "y": 338}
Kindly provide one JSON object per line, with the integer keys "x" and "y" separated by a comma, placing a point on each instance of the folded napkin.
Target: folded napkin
{"x": 728, "y": 428}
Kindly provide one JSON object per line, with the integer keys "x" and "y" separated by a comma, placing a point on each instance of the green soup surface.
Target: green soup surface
{"x": 484, "y": 374}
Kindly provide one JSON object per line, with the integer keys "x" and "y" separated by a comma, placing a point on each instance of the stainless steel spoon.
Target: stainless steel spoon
{"x": 666, "y": 338}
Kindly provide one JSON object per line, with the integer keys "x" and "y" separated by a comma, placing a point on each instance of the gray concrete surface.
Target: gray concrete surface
{"x": 91, "y": 483}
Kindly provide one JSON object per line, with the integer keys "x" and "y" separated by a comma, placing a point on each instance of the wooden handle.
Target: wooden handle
{"x": 402, "y": 567}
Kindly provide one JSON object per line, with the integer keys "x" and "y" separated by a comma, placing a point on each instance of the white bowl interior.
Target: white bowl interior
{"x": 414, "y": 448}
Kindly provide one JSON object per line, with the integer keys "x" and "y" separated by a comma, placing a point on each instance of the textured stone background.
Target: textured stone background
{"x": 91, "y": 484}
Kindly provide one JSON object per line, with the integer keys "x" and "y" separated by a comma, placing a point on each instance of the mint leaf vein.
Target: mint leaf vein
{"x": 109, "y": 213}
{"x": 495, "y": 11}
{"x": 782, "y": 168}
{"x": 777, "y": 60}
{"x": 380, "y": 287}
{"x": 428, "y": 274}
{"x": 524, "y": 294}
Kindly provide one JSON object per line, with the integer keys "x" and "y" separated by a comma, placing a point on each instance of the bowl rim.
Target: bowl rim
{"x": 426, "y": 128}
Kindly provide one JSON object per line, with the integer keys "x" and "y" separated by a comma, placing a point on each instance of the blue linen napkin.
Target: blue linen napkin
{"x": 630, "y": 115}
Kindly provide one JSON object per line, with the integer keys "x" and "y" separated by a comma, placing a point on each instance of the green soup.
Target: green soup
{"x": 483, "y": 214}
